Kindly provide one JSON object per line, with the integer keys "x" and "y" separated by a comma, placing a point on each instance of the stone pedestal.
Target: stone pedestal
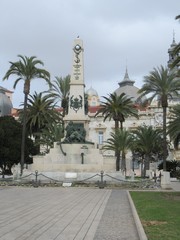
{"x": 165, "y": 180}
{"x": 56, "y": 161}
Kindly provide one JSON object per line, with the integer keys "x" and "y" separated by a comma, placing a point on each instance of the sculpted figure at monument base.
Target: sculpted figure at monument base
{"x": 75, "y": 133}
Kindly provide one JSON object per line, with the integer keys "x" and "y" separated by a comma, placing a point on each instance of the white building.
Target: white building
{"x": 99, "y": 130}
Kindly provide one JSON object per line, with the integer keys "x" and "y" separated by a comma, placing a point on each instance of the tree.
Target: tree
{"x": 26, "y": 69}
{"x": 10, "y": 144}
{"x": 60, "y": 91}
{"x": 54, "y": 132}
{"x": 174, "y": 125}
{"x": 120, "y": 141}
{"x": 173, "y": 167}
{"x": 164, "y": 85}
{"x": 41, "y": 115}
{"x": 117, "y": 108}
{"x": 147, "y": 142}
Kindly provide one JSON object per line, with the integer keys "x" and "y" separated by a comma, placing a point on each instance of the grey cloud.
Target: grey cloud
{"x": 115, "y": 34}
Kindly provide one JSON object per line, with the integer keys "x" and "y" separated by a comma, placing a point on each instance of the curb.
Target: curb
{"x": 140, "y": 229}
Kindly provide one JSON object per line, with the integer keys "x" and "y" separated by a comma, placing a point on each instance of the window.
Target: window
{"x": 100, "y": 137}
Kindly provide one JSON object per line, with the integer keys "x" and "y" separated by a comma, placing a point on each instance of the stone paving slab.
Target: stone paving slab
{"x": 176, "y": 186}
{"x": 65, "y": 214}
{"x": 117, "y": 220}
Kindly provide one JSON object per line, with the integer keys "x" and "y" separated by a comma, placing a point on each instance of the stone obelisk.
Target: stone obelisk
{"x": 77, "y": 109}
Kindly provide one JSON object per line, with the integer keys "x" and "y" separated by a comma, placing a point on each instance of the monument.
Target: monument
{"x": 76, "y": 109}
{"x": 76, "y": 154}
{"x": 76, "y": 121}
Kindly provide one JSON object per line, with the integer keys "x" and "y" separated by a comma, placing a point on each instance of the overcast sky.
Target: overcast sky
{"x": 115, "y": 34}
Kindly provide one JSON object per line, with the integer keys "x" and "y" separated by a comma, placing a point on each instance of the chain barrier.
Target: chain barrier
{"x": 117, "y": 179}
{"x": 124, "y": 180}
{"x": 101, "y": 183}
{"x": 55, "y": 180}
{"x": 86, "y": 179}
{"x": 152, "y": 183}
{"x": 36, "y": 183}
{"x": 26, "y": 176}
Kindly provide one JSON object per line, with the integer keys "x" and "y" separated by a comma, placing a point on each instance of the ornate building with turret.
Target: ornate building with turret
{"x": 151, "y": 116}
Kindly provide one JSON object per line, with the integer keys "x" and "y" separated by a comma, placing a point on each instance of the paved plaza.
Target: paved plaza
{"x": 175, "y": 186}
{"x": 65, "y": 214}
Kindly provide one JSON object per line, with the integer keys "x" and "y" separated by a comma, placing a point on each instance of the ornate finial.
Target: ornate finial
{"x": 126, "y": 65}
{"x": 126, "y": 76}
{"x": 173, "y": 36}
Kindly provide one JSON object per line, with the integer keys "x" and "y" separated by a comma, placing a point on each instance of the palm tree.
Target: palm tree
{"x": 120, "y": 141}
{"x": 147, "y": 142}
{"x": 164, "y": 85}
{"x": 40, "y": 115}
{"x": 53, "y": 132}
{"x": 26, "y": 69}
{"x": 60, "y": 91}
{"x": 117, "y": 108}
{"x": 174, "y": 125}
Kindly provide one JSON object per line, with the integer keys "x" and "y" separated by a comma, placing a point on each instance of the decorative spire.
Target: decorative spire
{"x": 173, "y": 42}
{"x": 126, "y": 80}
{"x": 126, "y": 76}
{"x": 173, "y": 36}
{"x": 172, "y": 56}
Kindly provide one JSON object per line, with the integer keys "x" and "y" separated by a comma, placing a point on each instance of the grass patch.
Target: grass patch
{"x": 159, "y": 213}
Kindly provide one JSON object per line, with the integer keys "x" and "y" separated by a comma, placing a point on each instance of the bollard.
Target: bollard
{"x": 102, "y": 173}
{"x": 102, "y": 183}
{"x": 155, "y": 177}
{"x": 36, "y": 176}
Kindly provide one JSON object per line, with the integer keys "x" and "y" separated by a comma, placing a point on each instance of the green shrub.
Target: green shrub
{"x": 173, "y": 167}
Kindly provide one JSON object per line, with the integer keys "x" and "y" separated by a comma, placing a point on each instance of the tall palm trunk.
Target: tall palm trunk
{"x": 117, "y": 153}
{"x": 37, "y": 144}
{"x": 121, "y": 125}
{"x": 123, "y": 162}
{"x": 117, "y": 160}
{"x": 142, "y": 167}
{"x": 146, "y": 164}
{"x": 164, "y": 138}
{"x": 116, "y": 124}
{"x": 26, "y": 92}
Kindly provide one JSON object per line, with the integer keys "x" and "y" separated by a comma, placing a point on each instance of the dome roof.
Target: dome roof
{"x": 127, "y": 86}
{"x": 5, "y": 103}
{"x": 91, "y": 92}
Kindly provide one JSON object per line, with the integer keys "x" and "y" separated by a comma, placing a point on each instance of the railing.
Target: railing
{"x": 36, "y": 182}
